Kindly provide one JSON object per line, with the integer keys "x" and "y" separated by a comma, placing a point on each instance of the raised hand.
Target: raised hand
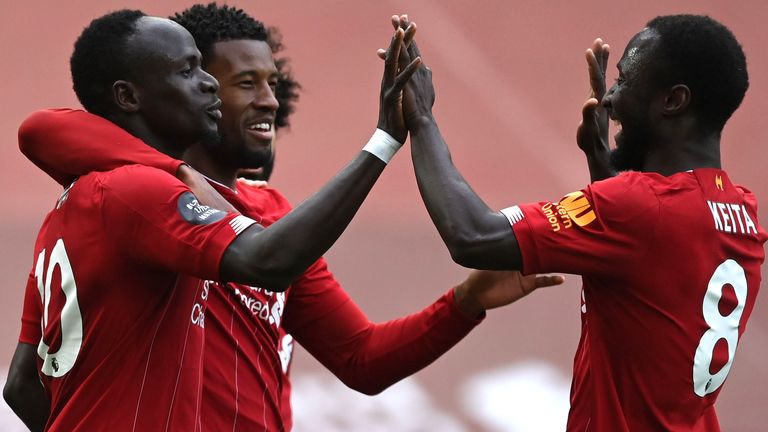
{"x": 487, "y": 289}
{"x": 397, "y": 72}
{"x": 413, "y": 109}
{"x": 592, "y": 133}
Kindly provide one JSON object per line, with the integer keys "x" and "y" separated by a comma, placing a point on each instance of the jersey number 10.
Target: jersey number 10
{"x": 58, "y": 363}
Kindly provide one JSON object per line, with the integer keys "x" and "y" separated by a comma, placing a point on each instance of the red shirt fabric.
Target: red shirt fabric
{"x": 671, "y": 270}
{"x": 249, "y": 332}
{"x": 321, "y": 317}
{"x": 116, "y": 304}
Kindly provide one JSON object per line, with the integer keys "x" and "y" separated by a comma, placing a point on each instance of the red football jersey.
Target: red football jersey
{"x": 120, "y": 332}
{"x": 243, "y": 367}
{"x": 671, "y": 270}
{"x": 248, "y": 388}
{"x": 248, "y": 352}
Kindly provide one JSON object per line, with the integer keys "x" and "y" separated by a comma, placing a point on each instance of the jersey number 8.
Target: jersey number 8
{"x": 720, "y": 326}
{"x": 58, "y": 363}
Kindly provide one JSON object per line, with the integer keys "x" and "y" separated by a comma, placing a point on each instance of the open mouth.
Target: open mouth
{"x": 213, "y": 110}
{"x": 260, "y": 127}
{"x": 262, "y": 130}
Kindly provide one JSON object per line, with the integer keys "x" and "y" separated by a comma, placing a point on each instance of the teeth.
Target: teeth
{"x": 263, "y": 127}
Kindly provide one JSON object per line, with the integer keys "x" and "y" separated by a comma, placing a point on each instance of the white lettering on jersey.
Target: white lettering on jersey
{"x": 731, "y": 218}
{"x": 198, "y": 310}
{"x": 263, "y": 304}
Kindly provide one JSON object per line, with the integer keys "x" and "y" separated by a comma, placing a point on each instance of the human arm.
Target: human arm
{"x": 592, "y": 133}
{"x": 67, "y": 143}
{"x": 279, "y": 254}
{"x": 475, "y": 235}
{"x": 23, "y": 391}
{"x": 369, "y": 357}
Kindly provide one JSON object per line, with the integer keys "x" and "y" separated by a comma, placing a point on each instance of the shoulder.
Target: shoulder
{"x": 629, "y": 198}
{"x": 264, "y": 196}
{"x": 628, "y": 190}
{"x": 138, "y": 184}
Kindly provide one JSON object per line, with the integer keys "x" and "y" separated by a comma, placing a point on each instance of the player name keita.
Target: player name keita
{"x": 731, "y": 218}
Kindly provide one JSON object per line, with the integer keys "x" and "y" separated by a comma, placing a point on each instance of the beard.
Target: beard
{"x": 630, "y": 154}
{"x": 263, "y": 173}
{"x": 247, "y": 158}
{"x": 211, "y": 139}
{"x": 626, "y": 158}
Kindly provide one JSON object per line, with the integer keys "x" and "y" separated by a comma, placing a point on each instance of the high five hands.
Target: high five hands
{"x": 398, "y": 70}
{"x": 483, "y": 289}
{"x": 418, "y": 94}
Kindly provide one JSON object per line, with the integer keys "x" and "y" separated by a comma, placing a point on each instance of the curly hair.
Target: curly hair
{"x": 212, "y": 23}
{"x": 101, "y": 57}
{"x": 703, "y": 54}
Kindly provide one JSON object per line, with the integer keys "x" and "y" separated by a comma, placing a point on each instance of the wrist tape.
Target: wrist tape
{"x": 382, "y": 145}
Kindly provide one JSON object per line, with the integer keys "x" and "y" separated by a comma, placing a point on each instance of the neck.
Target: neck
{"x": 140, "y": 130}
{"x": 684, "y": 154}
{"x": 201, "y": 159}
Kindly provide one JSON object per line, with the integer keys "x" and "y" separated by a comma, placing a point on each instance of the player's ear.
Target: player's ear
{"x": 125, "y": 96}
{"x": 677, "y": 100}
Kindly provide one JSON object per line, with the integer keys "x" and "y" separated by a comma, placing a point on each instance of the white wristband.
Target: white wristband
{"x": 382, "y": 145}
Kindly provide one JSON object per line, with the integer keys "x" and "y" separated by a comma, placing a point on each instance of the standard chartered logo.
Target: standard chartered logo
{"x": 265, "y": 305}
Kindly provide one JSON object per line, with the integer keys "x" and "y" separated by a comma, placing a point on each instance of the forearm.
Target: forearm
{"x": 30, "y": 404}
{"x": 67, "y": 143}
{"x": 274, "y": 257}
{"x": 374, "y": 357}
{"x": 23, "y": 391}
{"x": 473, "y": 233}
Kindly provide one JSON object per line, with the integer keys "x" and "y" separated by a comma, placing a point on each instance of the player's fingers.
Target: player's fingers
{"x": 395, "y": 20}
{"x": 410, "y": 33}
{"x": 404, "y": 21}
{"x": 604, "y": 57}
{"x": 596, "y": 75}
{"x": 547, "y": 281}
{"x": 391, "y": 58}
{"x": 407, "y": 73}
{"x": 381, "y": 53}
{"x": 588, "y": 111}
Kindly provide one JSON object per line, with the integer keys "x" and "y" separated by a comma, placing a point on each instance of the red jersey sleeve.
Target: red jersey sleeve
{"x": 155, "y": 218}
{"x": 366, "y": 356}
{"x": 67, "y": 143}
{"x": 596, "y": 231}
{"x": 32, "y": 315}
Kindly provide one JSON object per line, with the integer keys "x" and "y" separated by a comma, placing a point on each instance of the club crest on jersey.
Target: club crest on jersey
{"x": 195, "y": 213}
{"x": 573, "y": 208}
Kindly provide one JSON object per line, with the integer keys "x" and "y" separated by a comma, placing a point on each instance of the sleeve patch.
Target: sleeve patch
{"x": 195, "y": 213}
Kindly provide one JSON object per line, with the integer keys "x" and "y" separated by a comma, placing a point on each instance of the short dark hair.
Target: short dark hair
{"x": 100, "y": 58}
{"x": 212, "y": 23}
{"x": 703, "y": 54}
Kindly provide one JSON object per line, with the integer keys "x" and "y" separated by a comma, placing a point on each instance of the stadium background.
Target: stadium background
{"x": 510, "y": 81}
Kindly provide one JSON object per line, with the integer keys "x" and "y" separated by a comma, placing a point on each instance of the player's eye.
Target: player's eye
{"x": 247, "y": 84}
{"x": 186, "y": 72}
